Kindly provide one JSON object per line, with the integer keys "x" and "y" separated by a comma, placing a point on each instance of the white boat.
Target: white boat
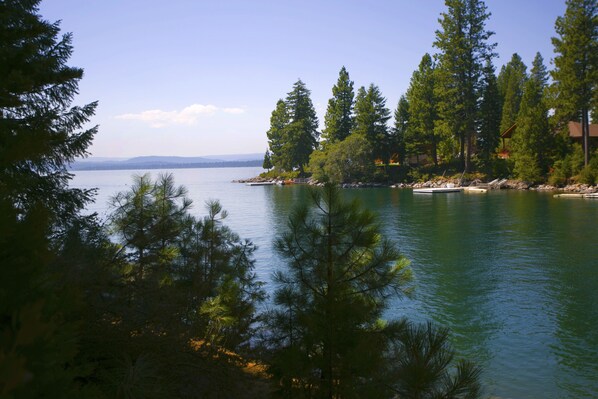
{"x": 437, "y": 190}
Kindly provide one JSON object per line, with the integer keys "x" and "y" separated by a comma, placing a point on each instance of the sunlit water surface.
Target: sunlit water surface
{"x": 514, "y": 275}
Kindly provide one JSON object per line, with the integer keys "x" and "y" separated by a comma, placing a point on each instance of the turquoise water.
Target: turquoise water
{"x": 514, "y": 275}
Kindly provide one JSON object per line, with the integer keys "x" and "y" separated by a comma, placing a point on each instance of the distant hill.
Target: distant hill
{"x": 168, "y": 162}
{"x": 173, "y": 160}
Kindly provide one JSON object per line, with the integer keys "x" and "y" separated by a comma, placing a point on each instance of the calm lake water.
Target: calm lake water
{"x": 514, "y": 275}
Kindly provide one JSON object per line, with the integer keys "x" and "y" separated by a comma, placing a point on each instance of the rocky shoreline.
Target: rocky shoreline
{"x": 441, "y": 182}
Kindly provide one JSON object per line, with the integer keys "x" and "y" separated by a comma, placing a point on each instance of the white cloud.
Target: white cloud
{"x": 157, "y": 118}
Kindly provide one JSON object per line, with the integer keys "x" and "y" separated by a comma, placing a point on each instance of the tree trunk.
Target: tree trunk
{"x": 469, "y": 150}
{"x": 462, "y": 155}
{"x": 434, "y": 151}
{"x": 585, "y": 132}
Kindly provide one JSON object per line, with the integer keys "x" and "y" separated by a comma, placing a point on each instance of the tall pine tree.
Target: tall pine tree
{"x": 371, "y": 117}
{"x": 326, "y": 330}
{"x": 530, "y": 140}
{"x": 339, "y": 114}
{"x": 277, "y": 137}
{"x": 40, "y": 134}
{"x": 490, "y": 114}
{"x": 510, "y": 84}
{"x": 575, "y": 74}
{"x": 401, "y": 126}
{"x": 464, "y": 49}
{"x": 423, "y": 108}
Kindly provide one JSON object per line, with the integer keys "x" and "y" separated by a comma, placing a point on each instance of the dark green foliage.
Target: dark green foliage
{"x": 37, "y": 345}
{"x": 39, "y": 135}
{"x": 39, "y": 130}
{"x": 302, "y": 130}
{"x": 423, "y": 114}
{"x": 422, "y": 366}
{"x": 293, "y": 131}
{"x": 326, "y": 332}
{"x": 202, "y": 266}
{"x": 567, "y": 167}
{"x": 464, "y": 50}
{"x": 345, "y": 161}
{"x": 371, "y": 117}
{"x": 510, "y": 84}
{"x": 532, "y": 136}
{"x": 575, "y": 76}
{"x": 267, "y": 164}
{"x": 277, "y": 139}
{"x": 489, "y": 134}
{"x": 399, "y": 133}
{"x": 339, "y": 114}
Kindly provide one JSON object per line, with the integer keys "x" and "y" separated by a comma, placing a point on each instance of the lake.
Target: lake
{"x": 513, "y": 274}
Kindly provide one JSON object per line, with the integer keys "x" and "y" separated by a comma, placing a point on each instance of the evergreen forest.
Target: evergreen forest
{"x": 459, "y": 114}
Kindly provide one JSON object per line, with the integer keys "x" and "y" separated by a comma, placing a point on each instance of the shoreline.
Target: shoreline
{"x": 508, "y": 184}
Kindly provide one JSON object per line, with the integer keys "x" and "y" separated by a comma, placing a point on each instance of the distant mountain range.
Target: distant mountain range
{"x": 168, "y": 162}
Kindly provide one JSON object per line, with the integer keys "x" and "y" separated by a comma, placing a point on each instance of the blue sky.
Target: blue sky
{"x": 191, "y": 78}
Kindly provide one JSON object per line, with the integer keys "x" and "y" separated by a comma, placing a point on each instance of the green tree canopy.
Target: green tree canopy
{"x": 339, "y": 114}
{"x": 277, "y": 137}
{"x": 344, "y": 161}
{"x": 423, "y": 109}
{"x": 510, "y": 84}
{"x": 326, "y": 329}
{"x": 40, "y": 132}
{"x": 529, "y": 143}
{"x": 267, "y": 164}
{"x": 399, "y": 133}
{"x": 464, "y": 48}
{"x": 575, "y": 73}
{"x": 293, "y": 131}
{"x": 371, "y": 117}
{"x": 490, "y": 115}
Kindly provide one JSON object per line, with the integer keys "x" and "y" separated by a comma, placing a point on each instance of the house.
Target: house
{"x": 574, "y": 133}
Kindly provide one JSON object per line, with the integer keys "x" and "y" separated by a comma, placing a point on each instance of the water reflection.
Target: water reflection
{"x": 513, "y": 274}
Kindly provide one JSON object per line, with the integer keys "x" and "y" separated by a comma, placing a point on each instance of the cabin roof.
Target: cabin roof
{"x": 575, "y": 130}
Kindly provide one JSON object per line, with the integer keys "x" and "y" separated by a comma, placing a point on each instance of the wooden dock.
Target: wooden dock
{"x": 576, "y": 195}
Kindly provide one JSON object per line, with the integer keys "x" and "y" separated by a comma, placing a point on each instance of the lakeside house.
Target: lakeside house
{"x": 575, "y": 133}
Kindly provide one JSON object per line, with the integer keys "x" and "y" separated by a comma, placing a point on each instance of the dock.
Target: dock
{"x": 476, "y": 190}
{"x": 437, "y": 190}
{"x": 576, "y": 195}
{"x": 260, "y": 183}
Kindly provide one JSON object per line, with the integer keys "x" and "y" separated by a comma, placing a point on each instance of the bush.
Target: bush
{"x": 279, "y": 174}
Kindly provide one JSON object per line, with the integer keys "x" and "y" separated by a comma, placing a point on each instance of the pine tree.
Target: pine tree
{"x": 490, "y": 116}
{"x": 512, "y": 79}
{"x": 267, "y": 164}
{"x": 39, "y": 130}
{"x": 529, "y": 141}
{"x": 293, "y": 131}
{"x": 326, "y": 331}
{"x": 401, "y": 126}
{"x": 421, "y": 363}
{"x": 302, "y": 134}
{"x": 371, "y": 117}
{"x": 464, "y": 49}
{"x": 339, "y": 114}
{"x": 40, "y": 134}
{"x": 277, "y": 137}
{"x": 575, "y": 74}
{"x": 423, "y": 108}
